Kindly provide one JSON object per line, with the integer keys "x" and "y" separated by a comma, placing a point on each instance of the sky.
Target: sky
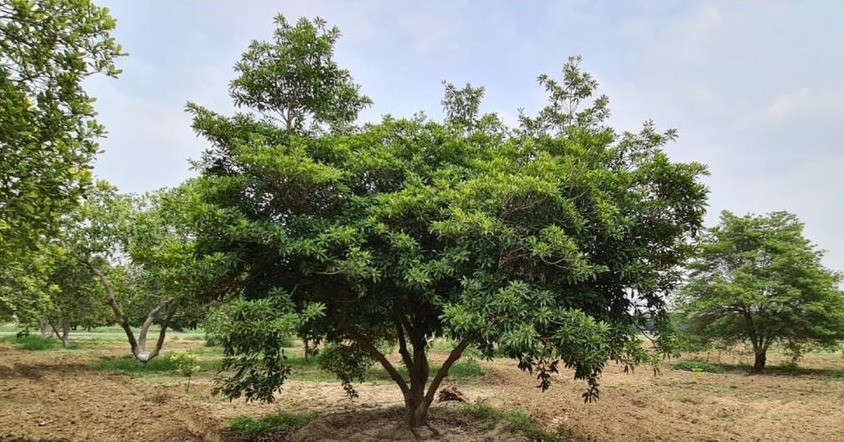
{"x": 755, "y": 90}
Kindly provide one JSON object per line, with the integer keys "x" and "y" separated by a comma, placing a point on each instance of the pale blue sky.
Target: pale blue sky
{"x": 755, "y": 90}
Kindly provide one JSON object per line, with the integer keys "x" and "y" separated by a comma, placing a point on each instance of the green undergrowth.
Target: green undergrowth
{"x": 519, "y": 420}
{"x": 130, "y": 367}
{"x": 279, "y": 422}
{"x": 37, "y": 343}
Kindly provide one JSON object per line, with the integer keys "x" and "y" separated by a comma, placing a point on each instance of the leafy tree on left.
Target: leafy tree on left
{"x": 48, "y": 129}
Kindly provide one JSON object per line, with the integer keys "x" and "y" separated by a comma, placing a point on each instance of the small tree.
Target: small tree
{"x": 756, "y": 279}
{"x": 553, "y": 241}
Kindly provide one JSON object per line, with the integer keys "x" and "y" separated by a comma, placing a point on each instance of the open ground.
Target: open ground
{"x": 96, "y": 392}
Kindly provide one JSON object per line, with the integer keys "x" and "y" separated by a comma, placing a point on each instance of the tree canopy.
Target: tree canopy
{"x": 552, "y": 241}
{"x": 757, "y": 279}
{"x": 47, "y": 128}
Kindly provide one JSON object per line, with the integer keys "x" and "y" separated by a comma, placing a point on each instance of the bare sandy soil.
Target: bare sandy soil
{"x": 57, "y": 396}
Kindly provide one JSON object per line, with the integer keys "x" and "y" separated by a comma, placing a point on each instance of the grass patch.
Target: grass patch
{"x": 37, "y": 343}
{"x": 519, "y": 420}
{"x": 698, "y": 367}
{"x": 280, "y": 422}
{"x": 130, "y": 367}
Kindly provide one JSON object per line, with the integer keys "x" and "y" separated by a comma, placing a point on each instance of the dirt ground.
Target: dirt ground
{"x": 57, "y": 396}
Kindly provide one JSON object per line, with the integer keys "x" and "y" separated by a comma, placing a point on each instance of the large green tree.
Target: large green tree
{"x": 757, "y": 279}
{"x": 552, "y": 241}
{"x": 48, "y": 130}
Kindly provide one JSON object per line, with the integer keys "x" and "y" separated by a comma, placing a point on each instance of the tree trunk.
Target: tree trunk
{"x": 45, "y": 328}
{"x": 138, "y": 345}
{"x": 417, "y": 398}
{"x": 759, "y": 362}
{"x": 65, "y": 337}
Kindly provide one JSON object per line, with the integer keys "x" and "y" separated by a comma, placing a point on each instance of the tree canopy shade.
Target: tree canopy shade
{"x": 551, "y": 241}
{"x": 47, "y": 127}
{"x": 758, "y": 280}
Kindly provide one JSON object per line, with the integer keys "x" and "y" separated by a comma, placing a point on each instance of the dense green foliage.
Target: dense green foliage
{"x": 553, "y": 240}
{"x": 47, "y": 128}
{"x": 758, "y": 280}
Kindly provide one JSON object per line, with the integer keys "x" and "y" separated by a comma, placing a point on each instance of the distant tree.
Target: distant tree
{"x": 141, "y": 254}
{"x": 47, "y": 128}
{"x": 756, "y": 279}
{"x": 551, "y": 245}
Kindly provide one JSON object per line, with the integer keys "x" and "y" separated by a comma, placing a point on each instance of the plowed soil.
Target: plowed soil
{"x": 57, "y": 396}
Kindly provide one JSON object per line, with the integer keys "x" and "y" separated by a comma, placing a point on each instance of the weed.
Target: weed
{"x": 280, "y": 422}
{"x": 519, "y": 420}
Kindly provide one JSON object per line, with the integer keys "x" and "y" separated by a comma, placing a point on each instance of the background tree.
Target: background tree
{"x": 140, "y": 252}
{"x": 47, "y": 128}
{"x": 758, "y": 280}
{"x": 552, "y": 245}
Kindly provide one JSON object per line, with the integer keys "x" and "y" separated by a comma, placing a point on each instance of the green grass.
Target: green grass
{"x": 37, "y": 343}
{"x": 130, "y": 367}
{"x": 280, "y": 422}
{"x": 519, "y": 420}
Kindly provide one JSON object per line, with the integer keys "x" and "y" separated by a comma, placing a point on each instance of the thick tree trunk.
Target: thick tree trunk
{"x": 759, "y": 361}
{"x": 45, "y": 328}
{"x": 417, "y": 398}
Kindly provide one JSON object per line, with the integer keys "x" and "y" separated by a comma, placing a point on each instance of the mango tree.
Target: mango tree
{"x": 757, "y": 279}
{"x": 552, "y": 241}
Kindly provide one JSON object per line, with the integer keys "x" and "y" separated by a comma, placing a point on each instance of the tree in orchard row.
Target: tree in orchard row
{"x": 758, "y": 280}
{"x": 552, "y": 241}
{"x": 140, "y": 253}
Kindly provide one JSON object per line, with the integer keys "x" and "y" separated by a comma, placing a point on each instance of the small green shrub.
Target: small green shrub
{"x": 280, "y": 422}
{"x": 698, "y": 367}
{"x": 187, "y": 364}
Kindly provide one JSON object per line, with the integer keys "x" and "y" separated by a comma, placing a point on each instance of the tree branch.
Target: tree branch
{"x": 118, "y": 313}
{"x": 452, "y": 358}
{"x": 369, "y": 348}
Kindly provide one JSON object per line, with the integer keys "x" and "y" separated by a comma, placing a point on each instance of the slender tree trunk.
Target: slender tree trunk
{"x": 65, "y": 337}
{"x": 138, "y": 345}
{"x": 142, "y": 355}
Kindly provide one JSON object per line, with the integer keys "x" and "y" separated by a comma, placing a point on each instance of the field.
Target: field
{"x": 94, "y": 392}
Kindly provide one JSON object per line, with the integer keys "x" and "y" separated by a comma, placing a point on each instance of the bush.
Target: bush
{"x": 280, "y": 422}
